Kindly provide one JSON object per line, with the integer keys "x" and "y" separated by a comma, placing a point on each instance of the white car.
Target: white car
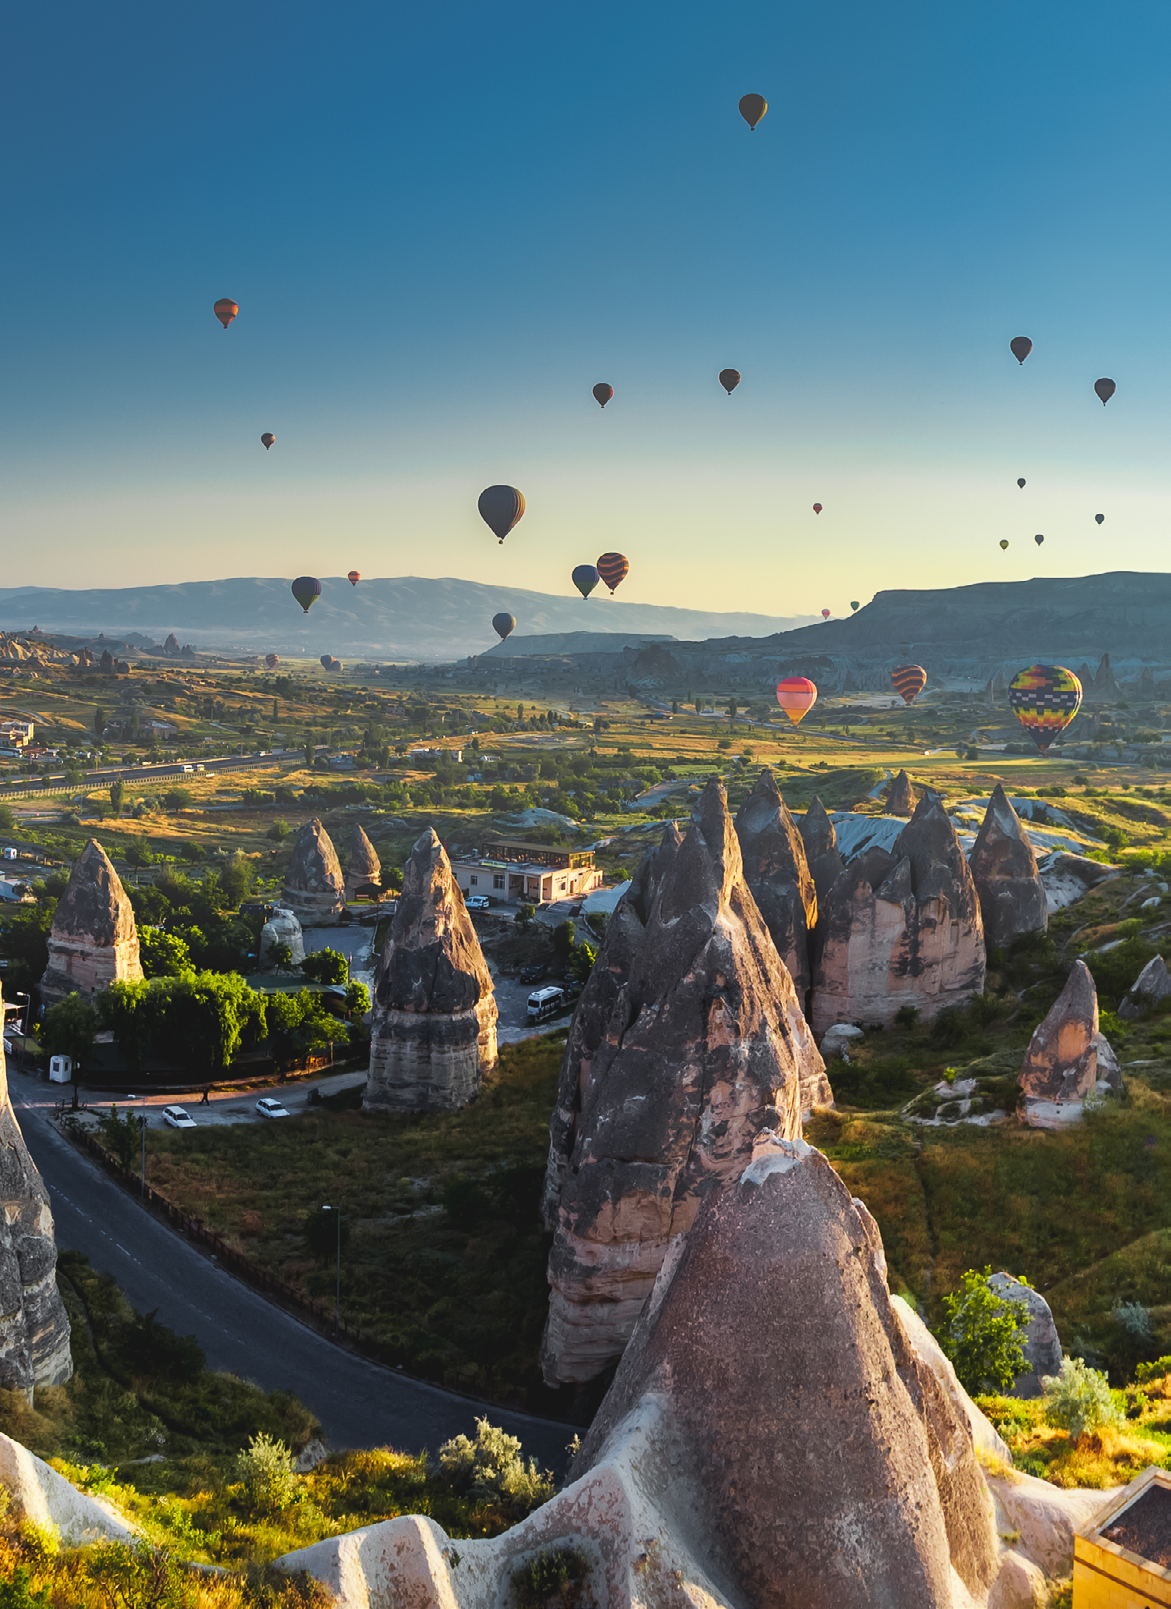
{"x": 176, "y": 1118}
{"x": 268, "y": 1107}
{"x": 476, "y": 902}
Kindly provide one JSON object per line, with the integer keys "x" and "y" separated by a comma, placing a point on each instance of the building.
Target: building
{"x": 16, "y": 734}
{"x": 512, "y": 869}
{"x": 1123, "y": 1560}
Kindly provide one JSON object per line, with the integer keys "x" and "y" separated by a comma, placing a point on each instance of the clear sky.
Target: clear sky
{"x": 444, "y": 223}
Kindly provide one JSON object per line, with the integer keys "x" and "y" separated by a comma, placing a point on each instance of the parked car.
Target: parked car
{"x": 476, "y": 902}
{"x": 267, "y": 1106}
{"x": 176, "y": 1118}
{"x": 532, "y": 973}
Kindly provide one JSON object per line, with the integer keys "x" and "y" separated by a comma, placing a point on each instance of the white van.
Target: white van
{"x": 476, "y": 902}
{"x": 545, "y": 1003}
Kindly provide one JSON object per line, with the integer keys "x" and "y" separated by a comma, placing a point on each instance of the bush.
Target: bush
{"x": 279, "y": 830}
{"x": 121, "y": 1134}
{"x": 325, "y": 966}
{"x": 265, "y": 1471}
{"x": 981, "y": 1334}
{"x": 69, "y": 1028}
{"x": 163, "y": 954}
{"x": 552, "y": 1576}
{"x": 1078, "y": 1399}
{"x": 321, "y": 1234}
{"x": 491, "y": 1469}
{"x": 1134, "y": 1320}
{"x": 280, "y": 955}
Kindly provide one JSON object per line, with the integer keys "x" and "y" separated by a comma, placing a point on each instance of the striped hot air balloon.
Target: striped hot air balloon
{"x": 1044, "y": 699}
{"x": 225, "y": 310}
{"x": 909, "y": 680}
{"x": 613, "y": 569}
{"x": 796, "y": 695}
{"x": 272, "y": 660}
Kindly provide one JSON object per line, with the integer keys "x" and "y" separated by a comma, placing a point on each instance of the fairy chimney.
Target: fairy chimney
{"x": 821, "y": 848}
{"x": 93, "y": 941}
{"x": 1004, "y": 870}
{"x": 365, "y": 872}
{"x": 314, "y": 887}
{"x": 900, "y": 796}
{"x": 777, "y": 872}
{"x": 1061, "y": 1065}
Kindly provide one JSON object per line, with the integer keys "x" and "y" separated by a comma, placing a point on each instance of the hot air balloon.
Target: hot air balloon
{"x": 603, "y": 393}
{"x": 585, "y": 578}
{"x": 353, "y": 577}
{"x": 500, "y": 508}
{"x": 225, "y": 310}
{"x": 825, "y": 613}
{"x": 306, "y": 589}
{"x": 855, "y": 605}
{"x": 796, "y": 695}
{"x": 613, "y": 569}
{"x": 1044, "y": 699}
{"x": 1038, "y": 540}
{"x": 334, "y": 664}
{"x": 752, "y": 109}
{"x": 272, "y": 660}
{"x": 1021, "y": 482}
{"x": 817, "y": 508}
{"x": 503, "y": 625}
{"x": 1020, "y": 346}
{"x": 268, "y": 438}
{"x": 729, "y": 379}
{"x": 326, "y": 661}
{"x": 1105, "y": 390}
{"x": 1003, "y": 543}
{"x": 909, "y": 680}
{"x": 1099, "y": 518}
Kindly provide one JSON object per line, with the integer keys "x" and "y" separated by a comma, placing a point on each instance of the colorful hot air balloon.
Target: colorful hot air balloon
{"x": 272, "y": 660}
{"x": 1003, "y": 543}
{"x": 225, "y": 310}
{"x": 796, "y": 695}
{"x": 353, "y": 577}
{"x": 500, "y": 508}
{"x": 729, "y": 379}
{"x": 1099, "y": 518}
{"x": 855, "y": 605}
{"x": 613, "y": 569}
{"x": 1038, "y": 540}
{"x": 326, "y": 661}
{"x": 1021, "y": 482}
{"x": 909, "y": 680}
{"x": 1105, "y": 390}
{"x": 825, "y": 613}
{"x": 268, "y": 438}
{"x": 585, "y": 578}
{"x": 752, "y": 109}
{"x": 1020, "y": 346}
{"x": 603, "y": 393}
{"x": 503, "y": 625}
{"x": 817, "y": 508}
{"x": 1044, "y": 699}
{"x": 306, "y": 589}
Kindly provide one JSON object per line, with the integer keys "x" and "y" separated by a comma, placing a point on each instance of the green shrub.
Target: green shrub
{"x": 265, "y": 1471}
{"x": 1078, "y": 1399}
{"x": 981, "y": 1334}
{"x": 491, "y": 1469}
{"x": 554, "y": 1575}
{"x": 1115, "y": 970}
{"x": 325, "y": 966}
{"x": 69, "y": 1028}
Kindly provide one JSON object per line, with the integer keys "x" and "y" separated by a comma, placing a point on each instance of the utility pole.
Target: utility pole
{"x": 337, "y": 1310}
{"x": 142, "y": 1131}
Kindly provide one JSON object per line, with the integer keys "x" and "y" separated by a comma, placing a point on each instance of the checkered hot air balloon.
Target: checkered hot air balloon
{"x": 909, "y": 680}
{"x": 1044, "y": 699}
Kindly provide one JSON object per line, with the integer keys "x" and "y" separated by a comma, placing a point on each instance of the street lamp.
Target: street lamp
{"x": 337, "y": 1311}
{"x": 142, "y": 1131}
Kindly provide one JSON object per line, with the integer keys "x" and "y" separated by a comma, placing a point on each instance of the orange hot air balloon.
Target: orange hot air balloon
{"x": 817, "y": 508}
{"x": 267, "y": 439}
{"x": 1105, "y": 390}
{"x": 603, "y": 393}
{"x": 1020, "y": 346}
{"x": 909, "y": 680}
{"x": 225, "y": 310}
{"x": 353, "y": 577}
{"x": 752, "y": 109}
{"x": 796, "y": 695}
{"x": 613, "y": 569}
{"x": 729, "y": 379}
{"x": 825, "y": 613}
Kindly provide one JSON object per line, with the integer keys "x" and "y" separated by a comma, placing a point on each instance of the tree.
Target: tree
{"x": 525, "y": 916}
{"x": 117, "y": 795}
{"x": 265, "y": 1471}
{"x": 581, "y": 962}
{"x": 300, "y": 1026}
{"x": 326, "y": 966}
{"x": 121, "y": 1134}
{"x": 699, "y": 706}
{"x": 279, "y": 830}
{"x": 357, "y": 998}
{"x": 163, "y": 954}
{"x": 138, "y": 853}
{"x": 280, "y": 956}
{"x": 982, "y": 1334}
{"x": 99, "y": 721}
{"x": 69, "y": 1028}
{"x": 564, "y": 938}
{"x": 176, "y": 798}
{"x": 235, "y": 880}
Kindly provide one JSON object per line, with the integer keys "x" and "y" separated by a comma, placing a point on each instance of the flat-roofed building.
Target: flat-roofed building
{"x": 1123, "y": 1560}
{"x": 508, "y": 868}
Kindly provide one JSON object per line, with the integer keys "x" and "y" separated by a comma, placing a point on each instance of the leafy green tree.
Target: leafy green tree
{"x": 99, "y": 721}
{"x": 982, "y": 1334}
{"x": 137, "y": 1576}
{"x": 138, "y": 853}
{"x": 236, "y": 881}
{"x": 582, "y": 960}
{"x": 125, "y": 1009}
{"x": 176, "y": 798}
{"x": 357, "y": 998}
{"x": 117, "y": 795}
{"x": 280, "y": 956}
{"x": 69, "y": 1028}
{"x": 122, "y": 1135}
{"x": 163, "y": 954}
{"x": 279, "y": 830}
{"x": 564, "y": 939}
{"x": 299, "y": 1026}
{"x": 24, "y": 930}
{"x": 1078, "y": 1399}
{"x": 325, "y": 966}
{"x": 525, "y": 917}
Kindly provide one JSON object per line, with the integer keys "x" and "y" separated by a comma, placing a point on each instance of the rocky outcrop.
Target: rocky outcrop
{"x": 34, "y": 1331}
{"x": 281, "y": 928}
{"x": 1004, "y": 870}
{"x": 39, "y": 1496}
{"x": 93, "y": 941}
{"x": 687, "y": 1041}
{"x": 900, "y": 928}
{"x": 1147, "y": 691}
{"x": 1041, "y": 1344}
{"x": 1152, "y": 985}
{"x": 778, "y": 874}
{"x": 1061, "y": 1065}
{"x": 1065, "y": 878}
{"x": 314, "y": 887}
{"x": 821, "y": 848}
{"x": 433, "y": 1029}
{"x": 900, "y": 796}
{"x": 1105, "y": 689}
{"x": 365, "y": 871}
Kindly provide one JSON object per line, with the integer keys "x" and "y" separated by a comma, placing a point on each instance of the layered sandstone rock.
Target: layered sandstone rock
{"x": 1004, "y": 870}
{"x": 688, "y": 1039}
{"x": 282, "y": 928}
{"x": 1061, "y": 1065}
{"x": 821, "y": 848}
{"x": 900, "y": 796}
{"x": 777, "y": 872}
{"x": 433, "y": 1029}
{"x": 314, "y": 887}
{"x": 900, "y": 928}
{"x": 93, "y": 941}
{"x": 365, "y": 872}
{"x": 34, "y": 1331}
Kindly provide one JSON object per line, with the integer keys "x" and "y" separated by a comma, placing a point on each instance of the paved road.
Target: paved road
{"x": 361, "y": 1404}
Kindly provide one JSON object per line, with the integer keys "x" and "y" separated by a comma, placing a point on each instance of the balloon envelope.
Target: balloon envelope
{"x": 327, "y": 660}
{"x": 909, "y": 680}
{"x": 603, "y": 393}
{"x": 306, "y": 589}
{"x": 825, "y": 614}
{"x": 1021, "y": 482}
{"x": 1003, "y": 543}
{"x": 268, "y": 438}
{"x": 503, "y": 625}
{"x": 855, "y": 605}
{"x": 1020, "y": 346}
{"x": 272, "y": 660}
{"x": 225, "y": 310}
{"x": 585, "y": 578}
{"x": 1105, "y": 390}
{"x": 796, "y": 695}
{"x": 500, "y": 508}
{"x": 817, "y": 508}
{"x": 1099, "y": 518}
{"x": 1044, "y": 699}
{"x": 613, "y": 568}
{"x": 752, "y": 109}
{"x": 729, "y": 379}
{"x": 353, "y": 577}
{"x": 1038, "y": 540}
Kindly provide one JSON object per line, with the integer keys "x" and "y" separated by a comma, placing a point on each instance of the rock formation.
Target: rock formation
{"x": 1004, "y": 870}
{"x": 93, "y": 941}
{"x": 1152, "y": 985}
{"x": 778, "y": 874}
{"x": 365, "y": 873}
{"x": 821, "y": 848}
{"x": 314, "y": 887}
{"x": 282, "y": 928}
{"x": 687, "y": 1041}
{"x": 1104, "y": 690}
{"x": 1147, "y": 691}
{"x": 34, "y": 1331}
{"x": 1067, "y": 877}
{"x": 1041, "y": 1343}
{"x": 900, "y": 929}
{"x": 1061, "y": 1065}
{"x": 433, "y": 1029}
{"x": 39, "y": 1496}
{"x": 900, "y": 796}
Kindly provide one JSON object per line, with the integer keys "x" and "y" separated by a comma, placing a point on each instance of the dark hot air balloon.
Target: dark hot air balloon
{"x": 272, "y": 660}
{"x": 1021, "y": 482}
{"x": 1020, "y": 346}
{"x": 796, "y": 695}
{"x": 1003, "y": 543}
{"x": 1044, "y": 699}
{"x": 603, "y": 393}
{"x": 268, "y": 438}
{"x": 1099, "y": 518}
{"x": 225, "y": 310}
{"x": 613, "y": 569}
{"x": 326, "y": 660}
{"x": 909, "y": 680}
{"x": 334, "y": 664}
{"x": 500, "y": 508}
{"x": 585, "y": 578}
{"x": 1038, "y": 540}
{"x": 825, "y": 614}
{"x": 306, "y": 589}
{"x": 1105, "y": 390}
{"x": 855, "y": 605}
{"x": 729, "y": 379}
{"x": 752, "y": 109}
{"x": 353, "y": 577}
{"x": 817, "y": 508}
{"x": 503, "y": 625}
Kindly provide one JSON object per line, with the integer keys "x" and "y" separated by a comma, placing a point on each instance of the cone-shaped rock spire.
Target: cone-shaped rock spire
{"x": 777, "y": 872}
{"x": 821, "y": 848}
{"x": 900, "y": 796}
{"x": 93, "y": 941}
{"x": 314, "y": 886}
{"x": 365, "y": 870}
{"x": 1004, "y": 869}
{"x": 1061, "y": 1065}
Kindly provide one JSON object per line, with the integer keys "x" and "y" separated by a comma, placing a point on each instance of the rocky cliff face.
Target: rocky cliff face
{"x": 1004, "y": 870}
{"x": 34, "y": 1331}
{"x": 433, "y": 1028}
{"x": 687, "y": 1041}
{"x": 900, "y": 929}
{"x": 1061, "y": 1065}
{"x": 365, "y": 871}
{"x": 821, "y": 848}
{"x": 314, "y": 887}
{"x": 777, "y": 872}
{"x": 93, "y": 941}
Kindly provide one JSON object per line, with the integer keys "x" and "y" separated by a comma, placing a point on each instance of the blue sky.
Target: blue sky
{"x": 444, "y": 224}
